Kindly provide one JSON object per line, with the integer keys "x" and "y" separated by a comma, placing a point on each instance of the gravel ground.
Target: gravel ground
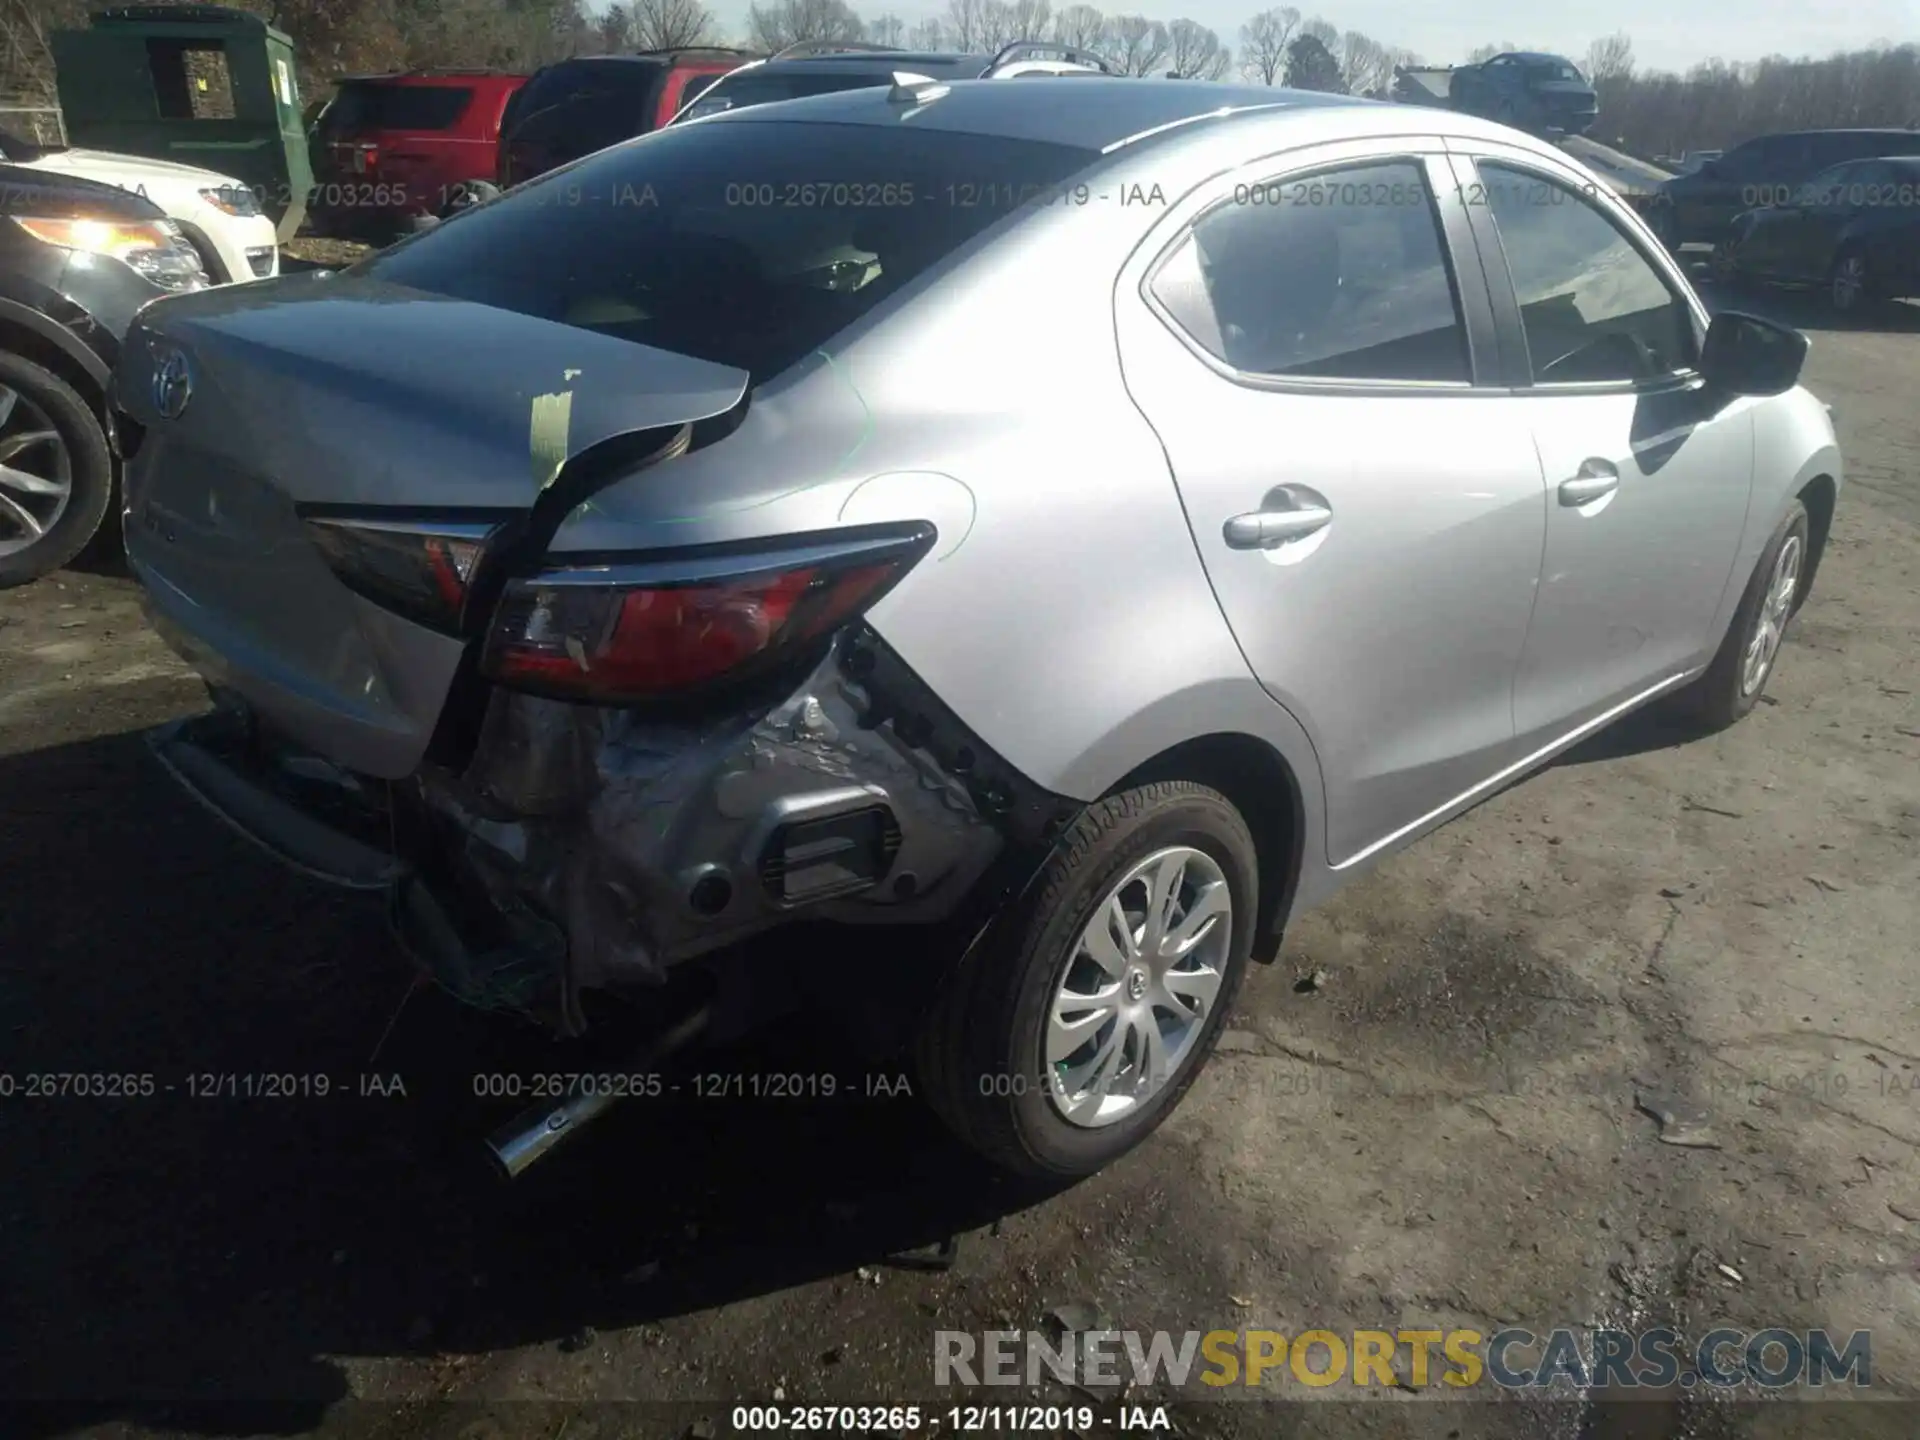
{"x": 1424, "y": 1115}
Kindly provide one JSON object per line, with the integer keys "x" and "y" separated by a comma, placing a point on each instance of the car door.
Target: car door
{"x": 1647, "y": 471}
{"x": 1370, "y": 517}
{"x": 1774, "y": 247}
{"x": 1835, "y": 199}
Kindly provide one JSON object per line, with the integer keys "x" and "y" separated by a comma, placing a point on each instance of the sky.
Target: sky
{"x": 1666, "y": 34}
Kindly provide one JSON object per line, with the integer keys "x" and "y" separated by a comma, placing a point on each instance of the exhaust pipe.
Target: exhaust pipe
{"x": 538, "y": 1132}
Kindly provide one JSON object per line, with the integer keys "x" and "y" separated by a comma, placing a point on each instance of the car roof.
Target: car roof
{"x": 1090, "y": 112}
{"x": 864, "y": 62}
{"x": 1886, "y": 131}
{"x": 431, "y": 77}
{"x": 1531, "y": 56}
{"x": 699, "y": 53}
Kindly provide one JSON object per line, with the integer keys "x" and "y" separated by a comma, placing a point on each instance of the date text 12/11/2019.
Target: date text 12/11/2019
{"x": 703, "y": 1085}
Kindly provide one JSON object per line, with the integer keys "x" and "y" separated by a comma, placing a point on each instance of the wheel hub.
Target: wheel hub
{"x": 36, "y": 472}
{"x": 1139, "y": 987}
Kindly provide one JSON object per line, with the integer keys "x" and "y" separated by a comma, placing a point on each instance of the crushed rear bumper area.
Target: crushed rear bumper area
{"x": 580, "y": 848}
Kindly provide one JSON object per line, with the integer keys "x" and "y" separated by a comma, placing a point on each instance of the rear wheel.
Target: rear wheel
{"x": 1724, "y": 267}
{"x": 1849, "y": 282}
{"x": 56, "y": 475}
{"x": 1076, "y": 1029}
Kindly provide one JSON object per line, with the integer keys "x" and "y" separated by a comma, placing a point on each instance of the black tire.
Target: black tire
{"x": 983, "y": 1035}
{"x": 1721, "y": 696}
{"x": 1724, "y": 268}
{"x": 91, "y": 463}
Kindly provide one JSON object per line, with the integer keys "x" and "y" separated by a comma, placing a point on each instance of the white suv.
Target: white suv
{"x": 217, "y": 213}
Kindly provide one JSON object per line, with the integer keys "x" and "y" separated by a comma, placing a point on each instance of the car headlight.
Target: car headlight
{"x": 153, "y": 248}
{"x": 236, "y": 200}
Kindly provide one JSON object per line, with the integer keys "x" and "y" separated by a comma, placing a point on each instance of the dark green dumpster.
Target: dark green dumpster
{"x": 199, "y": 84}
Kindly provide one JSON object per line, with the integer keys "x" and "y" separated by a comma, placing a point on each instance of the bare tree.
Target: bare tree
{"x": 787, "y": 22}
{"x": 1194, "y": 52}
{"x": 1610, "y": 59}
{"x": 667, "y": 24}
{"x": 26, "y": 55}
{"x": 1263, "y": 43}
{"x": 616, "y": 28}
{"x": 999, "y": 24}
{"x": 1487, "y": 52}
{"x": 1030, "y": 19}
{"x": 1079, "y": 25}
{"x": 1324, "y": 32}
{"x": 966, "y": 23}
{"x": 888, "y": 29}
{"x": 1366, "y": 66}
{"x": 928, "y": 34}
{"x": 1134, "y": 43}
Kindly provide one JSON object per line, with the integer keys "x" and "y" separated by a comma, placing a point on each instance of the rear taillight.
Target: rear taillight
{"x": 630, "y": 632}
{"x": 419, "y": 569}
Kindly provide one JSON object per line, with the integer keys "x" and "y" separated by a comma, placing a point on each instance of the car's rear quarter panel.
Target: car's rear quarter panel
{"x": 1064, "y": 613}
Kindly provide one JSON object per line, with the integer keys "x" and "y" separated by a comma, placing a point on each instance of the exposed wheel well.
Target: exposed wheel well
{"x": 1818, "y": 496}
{"x": 1264, "y": 789}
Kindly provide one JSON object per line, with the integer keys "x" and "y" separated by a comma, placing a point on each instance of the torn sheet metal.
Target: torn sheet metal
{"x": 648, "y": 841}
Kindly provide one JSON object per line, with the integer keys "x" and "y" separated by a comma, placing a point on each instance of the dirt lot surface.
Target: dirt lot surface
{"x": 1423, "y": 1116}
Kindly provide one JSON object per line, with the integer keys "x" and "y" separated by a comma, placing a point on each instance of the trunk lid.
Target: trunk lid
{"x": 351, "y": 393}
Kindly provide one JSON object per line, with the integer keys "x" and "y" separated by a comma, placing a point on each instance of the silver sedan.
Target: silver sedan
{"x": 1087, "y": 520}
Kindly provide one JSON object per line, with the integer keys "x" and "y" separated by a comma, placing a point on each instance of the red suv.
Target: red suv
{"x": 389, "y": 147}
{"x": 587, "y": 103}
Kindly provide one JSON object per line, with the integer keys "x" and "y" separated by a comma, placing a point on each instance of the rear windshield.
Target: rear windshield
{"x": 1553, "y": 70}
{"x": 747, "y": 244}
{"x": 360, "y": 107}
{"x": 763, "y": 87}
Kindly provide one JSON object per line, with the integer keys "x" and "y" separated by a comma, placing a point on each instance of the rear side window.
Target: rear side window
{"x": 360, "y": 108}
{"x": 1593, "y": 307}
{"x": 1337, "y": 276}
{"x": 586, "y": 108}
{"x": 747, "y": 244}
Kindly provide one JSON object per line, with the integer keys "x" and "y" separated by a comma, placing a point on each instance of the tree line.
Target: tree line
{"x": 1646, "y": 112}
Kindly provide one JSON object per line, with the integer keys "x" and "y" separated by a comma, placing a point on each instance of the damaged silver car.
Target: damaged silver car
{"x": 1086, "y": 521}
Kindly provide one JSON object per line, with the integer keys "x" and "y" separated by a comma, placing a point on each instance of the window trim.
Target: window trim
{"x": 1468, "y": 288}
{"x": 1506, "y": 301}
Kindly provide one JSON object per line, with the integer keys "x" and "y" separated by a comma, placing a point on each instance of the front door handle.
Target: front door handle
{"x": 1266, "y": 529}
{"x": 1596, "y": 478}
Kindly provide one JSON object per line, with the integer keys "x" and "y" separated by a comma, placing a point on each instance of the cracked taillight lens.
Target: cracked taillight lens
{"x": 421, "y": 570}
{"x": 620, "y": 634}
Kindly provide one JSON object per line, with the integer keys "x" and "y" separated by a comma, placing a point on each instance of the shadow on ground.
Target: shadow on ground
{"x": 169, "y": 1254}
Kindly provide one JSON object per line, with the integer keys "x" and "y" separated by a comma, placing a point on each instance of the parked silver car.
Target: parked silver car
{"x": 1096, "y": 519}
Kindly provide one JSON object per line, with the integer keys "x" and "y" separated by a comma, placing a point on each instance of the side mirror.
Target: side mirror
{"x": 1746, "y": 355}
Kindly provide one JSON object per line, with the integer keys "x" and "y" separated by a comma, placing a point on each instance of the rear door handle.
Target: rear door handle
{"x": 1266, "y": 529}
{"x": 1596, "y": 478}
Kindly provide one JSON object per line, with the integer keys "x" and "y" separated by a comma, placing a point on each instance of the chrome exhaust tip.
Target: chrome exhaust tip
{"x": 537, "y": 1133}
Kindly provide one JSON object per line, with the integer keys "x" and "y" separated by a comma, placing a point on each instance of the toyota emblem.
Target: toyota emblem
{"x": 172, "y": 385}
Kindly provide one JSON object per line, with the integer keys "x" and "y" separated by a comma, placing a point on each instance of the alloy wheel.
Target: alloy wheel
{"x": 1139, "y": 986}
{"x": 36, "y": 472}
{"x": 1771, "y": 623}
